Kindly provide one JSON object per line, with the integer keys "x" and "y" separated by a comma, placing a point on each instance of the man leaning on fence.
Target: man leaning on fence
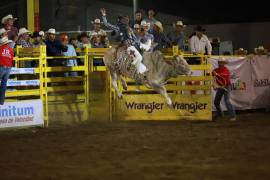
{"x": 6, "y": 58}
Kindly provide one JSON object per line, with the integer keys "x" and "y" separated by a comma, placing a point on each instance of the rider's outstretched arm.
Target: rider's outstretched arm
{"x": 106, "y": 23}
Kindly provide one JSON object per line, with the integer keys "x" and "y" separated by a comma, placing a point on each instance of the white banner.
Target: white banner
{"x": 23, "y": 83}
{"x": 241, "y": 94}
{"x": 261, "y": 82}
{"x": 22, "y": 113}
{"x": 22, "y": 71}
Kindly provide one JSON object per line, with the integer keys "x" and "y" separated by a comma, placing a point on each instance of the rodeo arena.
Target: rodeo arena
{"x": 121, "y": 90}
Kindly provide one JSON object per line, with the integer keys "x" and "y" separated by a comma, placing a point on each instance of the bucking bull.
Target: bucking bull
{"x": 119, "y": 63}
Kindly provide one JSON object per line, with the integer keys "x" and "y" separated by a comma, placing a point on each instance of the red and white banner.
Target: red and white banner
{"x": 260, "y": 66}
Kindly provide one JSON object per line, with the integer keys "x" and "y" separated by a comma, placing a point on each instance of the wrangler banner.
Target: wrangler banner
{"x": 153, "y": 107}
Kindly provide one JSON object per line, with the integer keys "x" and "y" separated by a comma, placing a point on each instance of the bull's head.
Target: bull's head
{"x": 181, "y": 66}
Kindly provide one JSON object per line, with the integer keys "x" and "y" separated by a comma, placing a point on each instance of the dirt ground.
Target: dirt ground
{"x": 140, "y": 150}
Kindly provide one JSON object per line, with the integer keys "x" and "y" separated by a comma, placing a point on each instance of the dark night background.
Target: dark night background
{"x": 208, "y": 12}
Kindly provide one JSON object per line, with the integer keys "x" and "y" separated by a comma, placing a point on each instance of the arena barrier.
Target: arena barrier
{"x": 26, "y": 96}
{"x": 141, "y": 103}
{"x": 74, "y": 97}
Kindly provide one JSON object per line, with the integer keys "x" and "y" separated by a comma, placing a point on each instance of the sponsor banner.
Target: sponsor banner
{"x": 261, "y": 82}
{"x": 241, "y": 92}
{"x": 153, "y": 107}
{"x": 23, "y": 83}
{"x": 22, "y": 71}
{"x": 22, "y": 113}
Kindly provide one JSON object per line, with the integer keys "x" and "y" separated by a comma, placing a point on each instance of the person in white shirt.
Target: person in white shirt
{"x": 199, "y": 42}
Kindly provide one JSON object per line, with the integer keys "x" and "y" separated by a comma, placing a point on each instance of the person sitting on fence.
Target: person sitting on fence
{"x": 70, "y": 52}
{"x": 12, "y": 31}
{"x": 126, "y": 36}
{"x": 100, "y": 32}
{"x": 177, "y": 36}
{"x": 84, "y": 40}
{"x": 223, "y": 88}
{"x": 159, "y": 36}
{"x": 6, "y": 58}
{"x": 37, "y": 39}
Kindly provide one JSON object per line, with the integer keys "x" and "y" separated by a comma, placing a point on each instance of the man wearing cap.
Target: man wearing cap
{"x": 159, "y": 36}
{"x": 137, "y": 30}
{"x": 12, "y": 31}
{"x": 200, "y": 42}
{"x": 177, "y": 36}
{"x": 222, "y": 76}
{"x": 100, "y": 32}
{"x": 37, "y": 39}
{"x": 145, "y": 37}
{"x": 6, "y": 58}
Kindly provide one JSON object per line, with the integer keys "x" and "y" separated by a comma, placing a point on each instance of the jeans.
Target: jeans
{"x": 226, "y": 92}
{"x": 4, "y": 75}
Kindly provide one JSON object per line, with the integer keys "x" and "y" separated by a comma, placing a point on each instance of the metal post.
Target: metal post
{"x": 135, "y": 7}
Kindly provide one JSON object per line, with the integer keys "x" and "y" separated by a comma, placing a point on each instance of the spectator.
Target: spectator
{"x": 73, "y": 42}
{"x": 84, "y": 40}
{"x": 200, "y": 42}
{"x": 70, "y": 52}
{"x": 151, "y": 18}
{"x": 24, "y": 41}
{"x": 54, "y": 48}
{"x": 138, "y": 18}
{"x": 97, "y": 41}
{"x": 137, "y": 30}
{"x": 145, "y": 37}
{"x": 222, "y": 76}
{"x": 176, "y": 36}
{"x": 145, "y": 26}
{"x": 37, "y": 39}
{"x": 101, "y": 33}
{"x": 159, "y": 37}
{"x": 24, "y": 38}
{"x": 42, "y": 34}
{"x": 6, "y": 58}
{"x": 12, "y": 31}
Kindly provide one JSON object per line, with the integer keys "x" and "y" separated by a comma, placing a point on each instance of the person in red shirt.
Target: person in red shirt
{"x": 223, "y": 88}
{"x": 6, "y": 58}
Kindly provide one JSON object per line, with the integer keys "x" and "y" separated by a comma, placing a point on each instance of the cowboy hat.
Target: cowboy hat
{"x": 2, "y": 31}
{"x": 159, "y": 25}
{"x": 136, "y": 26}
{"x": 222, "y": 60}
{"x": 35, "y": 34}
{"x": 199, "y": 29}
{"x": 5, "y": 40}
{"x": 41, "y": 33}
{"x": 180, "y": 23}
{"x": 4, "y": 19}
{"x": 23, "y": 31}
{"x": 51, "y": 31}
{"x": 260, "y": 50}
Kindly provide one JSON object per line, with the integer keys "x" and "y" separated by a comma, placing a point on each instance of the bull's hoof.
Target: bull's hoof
{"x": 120, "y": 96}
{"x": 125, "y": 87}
